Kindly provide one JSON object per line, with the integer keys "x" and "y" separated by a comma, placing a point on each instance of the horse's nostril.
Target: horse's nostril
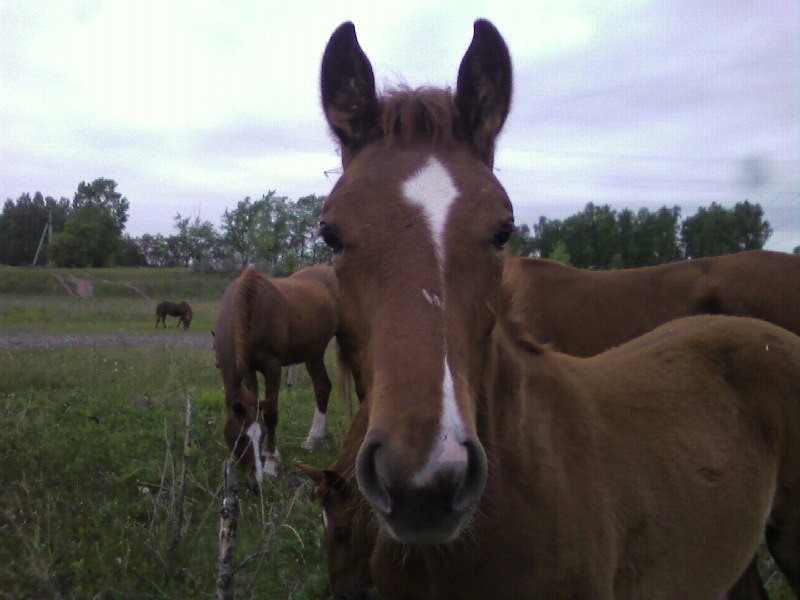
{"x": 474, "y": 479}
{"x": 368, "y": 480}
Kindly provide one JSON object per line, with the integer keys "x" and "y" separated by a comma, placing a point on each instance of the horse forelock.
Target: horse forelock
{"x": 425, "y": 113}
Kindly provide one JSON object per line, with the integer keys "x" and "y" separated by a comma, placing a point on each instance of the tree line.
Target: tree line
{"x": 600, "y": 237}
{"x": 279, "y": 235}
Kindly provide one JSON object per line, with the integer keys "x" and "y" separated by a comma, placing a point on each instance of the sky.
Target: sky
{"x": 192, "y": 106}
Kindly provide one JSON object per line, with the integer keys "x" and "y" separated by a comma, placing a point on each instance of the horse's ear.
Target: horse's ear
{"x": 348, "y": 91}
{"x": 313, "y": 473}
{"x": 483, "y": 93}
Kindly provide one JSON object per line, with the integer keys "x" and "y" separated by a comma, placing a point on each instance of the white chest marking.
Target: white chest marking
{"x": 432, "y": 190}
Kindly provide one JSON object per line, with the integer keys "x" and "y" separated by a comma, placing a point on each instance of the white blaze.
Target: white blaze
{"x": 432, "y": 190}
{"x": 448, "y": 451}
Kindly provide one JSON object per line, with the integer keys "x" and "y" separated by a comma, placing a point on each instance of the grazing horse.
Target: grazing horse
{"x": 264, "y": 324}
{"x": 585, "y": 312}
{"x": 182, "y": 310}
{"x": 349, "y": 529}
{"x": 495, "y": 466}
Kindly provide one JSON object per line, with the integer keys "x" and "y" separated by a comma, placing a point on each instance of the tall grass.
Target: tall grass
{"x": 91, "y": 440}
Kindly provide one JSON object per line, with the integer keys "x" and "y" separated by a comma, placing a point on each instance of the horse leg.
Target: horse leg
{"x": 749, "y": 585}
{"x": 272, "y": 384}
{"x": 783, "y": 537}
{"x": 322, "y": 391}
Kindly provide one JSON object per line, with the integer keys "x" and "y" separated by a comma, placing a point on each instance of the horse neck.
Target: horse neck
{"x": 531, "y": 408}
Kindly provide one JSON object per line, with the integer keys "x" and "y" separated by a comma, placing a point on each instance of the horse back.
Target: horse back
{"x": 692, "y": 425}
{"x": 760, "y": 284}
{"x": 586, "y": 312}
{"x": 311, "y": 314}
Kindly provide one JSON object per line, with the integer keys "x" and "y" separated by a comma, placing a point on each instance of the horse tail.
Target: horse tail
{"x": 344, "y": 378}
{"x": 242, "y": 309}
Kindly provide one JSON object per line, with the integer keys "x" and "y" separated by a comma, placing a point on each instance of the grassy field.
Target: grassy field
{"x": 91, "y": 438}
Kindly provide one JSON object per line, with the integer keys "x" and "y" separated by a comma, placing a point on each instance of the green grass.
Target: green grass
{"x": 91, "y": 439}
{"x": 156, "y": 283}
{"x": 70, "y": 315}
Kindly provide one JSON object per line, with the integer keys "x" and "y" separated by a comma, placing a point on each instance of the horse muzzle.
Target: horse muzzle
{"x": 434, "y": 509}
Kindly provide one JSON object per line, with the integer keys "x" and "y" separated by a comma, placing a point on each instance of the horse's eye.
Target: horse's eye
{"x": 328, "y": 235}
{"x": 501, "y": 237}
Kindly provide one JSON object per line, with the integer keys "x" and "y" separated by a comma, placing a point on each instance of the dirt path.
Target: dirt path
{"x": 22, "y": 341}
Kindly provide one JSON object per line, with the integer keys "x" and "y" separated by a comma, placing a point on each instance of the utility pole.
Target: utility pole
{"x": 47, "y": 231}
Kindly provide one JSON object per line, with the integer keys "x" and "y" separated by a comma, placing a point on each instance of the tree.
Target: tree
{"x": 90, "y": 239}
{"x": 22, "y": 223}
{"x": 103, "y": 194}
{"x": 716, "y": 230}
{"x": 274, "y": 233}
{"x": 198, "y": 243}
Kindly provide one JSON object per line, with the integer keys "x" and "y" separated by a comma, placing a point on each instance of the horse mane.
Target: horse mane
{"x": 408, "y": 115}
{"x": 243, "y": 300}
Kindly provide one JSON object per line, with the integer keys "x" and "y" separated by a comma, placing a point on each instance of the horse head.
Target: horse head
{"x": 417, "y": 223}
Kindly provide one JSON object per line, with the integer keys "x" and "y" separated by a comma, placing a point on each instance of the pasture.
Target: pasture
{"x": 91, "y": 439}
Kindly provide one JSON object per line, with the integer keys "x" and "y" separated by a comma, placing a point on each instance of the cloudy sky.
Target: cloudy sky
{"x": 191, "y": 106}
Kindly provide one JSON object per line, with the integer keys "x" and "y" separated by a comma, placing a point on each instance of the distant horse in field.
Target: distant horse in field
{"x": 263, "y": 324}
{"x": 585, "y": 312}
{"x": 182, "y": 310}
{"x": 496, "y": 467}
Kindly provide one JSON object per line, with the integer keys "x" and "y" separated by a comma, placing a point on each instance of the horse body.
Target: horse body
{"x": 264, "y": 324}
{"x": 496, "y": 467}
{"x": 585, "y": 312}
{"x": 182, "y": 310}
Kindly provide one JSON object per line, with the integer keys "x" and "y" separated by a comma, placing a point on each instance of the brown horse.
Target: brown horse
{"x": 349, "y": 529}
{"x": 498, "y": 467}
{"x": 264, "y": 324}
{"x": 585, "y": 312}
{"x": 182, "y": 310}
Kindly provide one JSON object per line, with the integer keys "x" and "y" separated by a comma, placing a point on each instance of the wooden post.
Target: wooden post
{"x": 187, "y": 446}
{"x": 229, "y": 514}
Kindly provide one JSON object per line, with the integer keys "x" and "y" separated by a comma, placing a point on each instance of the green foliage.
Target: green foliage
{"x": 560, "y": 253}
{"x": 22, "y": 223}
{"x": 102, "y": 193}
{"x": 90, "y": 239}
{"x": 716, "y": 230}
{"x": 274, "y": 233}
{"x": 601, "y": 238}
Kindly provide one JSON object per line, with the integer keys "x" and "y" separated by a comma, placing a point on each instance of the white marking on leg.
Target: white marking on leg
{"x": 256, "y": 435}
{"x": 433, "y": 190}
{"x": 317, "y": 431}
{"x": 271, "y": 463}
{"x": 324, "y": 518}
{"x": 449, "y": 451}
